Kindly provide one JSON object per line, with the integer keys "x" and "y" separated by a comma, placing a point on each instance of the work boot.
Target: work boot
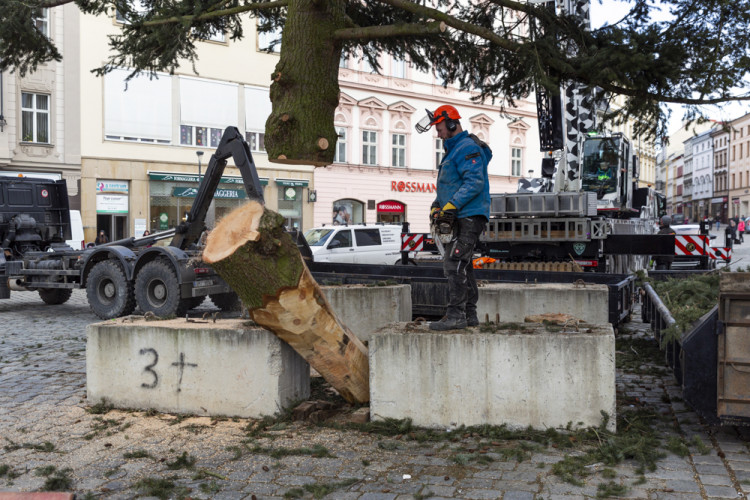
{"x": 471, "y": 317}
{"x": 449, "y": 322}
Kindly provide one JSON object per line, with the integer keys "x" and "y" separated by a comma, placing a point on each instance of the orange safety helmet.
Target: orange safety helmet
{"x": 444, "y": 112}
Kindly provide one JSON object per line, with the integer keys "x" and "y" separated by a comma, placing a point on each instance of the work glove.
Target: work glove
{"x": 434, "y": 211}
{"x": 448, "y": 211}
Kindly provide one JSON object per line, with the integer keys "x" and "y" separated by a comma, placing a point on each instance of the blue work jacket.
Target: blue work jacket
{"x": 462, "y": 176}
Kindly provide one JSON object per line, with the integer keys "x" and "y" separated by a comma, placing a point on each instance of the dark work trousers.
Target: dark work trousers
{"x": 457, "y": 267}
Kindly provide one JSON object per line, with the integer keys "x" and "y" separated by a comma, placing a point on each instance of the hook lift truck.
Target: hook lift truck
{"x": 117, "y": 276}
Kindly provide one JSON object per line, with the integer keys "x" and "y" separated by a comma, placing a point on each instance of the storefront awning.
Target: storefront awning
{"x": 230, "y": 179}
{"x": 292, "y": 182}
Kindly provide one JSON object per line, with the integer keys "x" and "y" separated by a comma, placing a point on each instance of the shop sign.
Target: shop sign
{"x": 190, "y": 192}
{"x": 413, "y": 187}
{"x": 112, "y": 187}
{"x": 163, "y": 220}
{"x": 292, "y": 182}
{"x": 390, "y": 206}
{"x": 111, "y": 204}
{"x": 290, "y": 194}
{"x": 195, "y": 178}
{"x": 736, "y": 201}
{"x": 718, "y": 200}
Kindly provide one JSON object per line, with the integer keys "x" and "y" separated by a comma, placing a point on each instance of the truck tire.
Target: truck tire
{"x": 109, "y": 292}
{"x": 227, "y": 301}
{"x": 55, "y": 296}
{"x": 158, "y": 291}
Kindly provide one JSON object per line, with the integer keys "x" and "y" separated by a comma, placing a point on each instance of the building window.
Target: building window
{"x": 138, "y": 9}
{"x": 41, "y": 21}
{"x": 257, "y": 141}
{"x": 340, "y": 154}
{"x": 398, "y": 150}
{"x": 398, "y": 67}
{"x": 369, "y": 147}
{"x": 439, "y": 152}
{"x": 200, "y": 136}
{"x": 270, "y": 41}
{"x": 515, "y": 161}
{"x": 34, "y": 117}
{"x": 344, "y": 61}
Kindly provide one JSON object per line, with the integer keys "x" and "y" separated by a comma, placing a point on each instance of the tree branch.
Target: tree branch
{"x": 389, "y": 31}
{"x": 218, "y": 13}
{"x": 53, "y": 3}
{"x": 451, "y": 21}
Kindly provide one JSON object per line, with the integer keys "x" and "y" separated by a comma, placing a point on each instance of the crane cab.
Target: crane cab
{"x": 609, "y": 169}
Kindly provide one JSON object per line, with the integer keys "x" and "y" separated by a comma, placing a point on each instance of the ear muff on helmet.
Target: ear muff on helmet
{"x": 451, "y": 125}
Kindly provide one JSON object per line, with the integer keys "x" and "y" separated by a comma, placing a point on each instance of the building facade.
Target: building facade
{"x": 39, "y": 115}
{"x": 739, "y": 167}
{"x": 702, "y": 146}
{"x": 720, "y": 199}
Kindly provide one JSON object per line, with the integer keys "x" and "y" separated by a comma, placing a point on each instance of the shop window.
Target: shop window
{"x": 367, "y": 237}
{"x": 369, "y": 147}
{"x": 290, "y": 206}
{"x": 35, "y": 117}
{"x": 257, "y": 141}
{"x": 348, "y": 211}
{"x": 200, "y": 136}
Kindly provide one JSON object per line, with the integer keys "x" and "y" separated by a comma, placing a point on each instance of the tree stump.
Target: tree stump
{"x": 251, "y": 251}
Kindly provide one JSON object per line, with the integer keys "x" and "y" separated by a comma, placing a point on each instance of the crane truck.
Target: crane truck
{"x": 120, "y": 275}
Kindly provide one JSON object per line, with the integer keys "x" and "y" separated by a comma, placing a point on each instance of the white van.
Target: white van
{"x": 77, "y": 241}
{"x": 357, "y": 244}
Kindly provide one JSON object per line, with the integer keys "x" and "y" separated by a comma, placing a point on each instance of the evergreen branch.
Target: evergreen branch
{"x": 390, "y": 31}
{"x": 218, "y": 13}
{"x": 453, "y": 22}
{"x": 52, "y": 3}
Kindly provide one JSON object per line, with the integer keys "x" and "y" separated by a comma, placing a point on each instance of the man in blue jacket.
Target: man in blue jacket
{"x": 463, "y": 201}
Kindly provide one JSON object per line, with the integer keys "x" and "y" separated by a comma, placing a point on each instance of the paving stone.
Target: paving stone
{"x": 682, "y": 486}
{"x": 711, "y": 468}
{"x": 716, "y": 479}
{"x": 518, "y": 495}
{"x": 720, "y": 491}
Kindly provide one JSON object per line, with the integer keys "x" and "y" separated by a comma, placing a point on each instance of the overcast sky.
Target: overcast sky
{"x": 611, "y": 11}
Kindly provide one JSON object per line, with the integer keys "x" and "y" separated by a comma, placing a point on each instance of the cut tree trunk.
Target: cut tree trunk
{"x": 261, "y": 263}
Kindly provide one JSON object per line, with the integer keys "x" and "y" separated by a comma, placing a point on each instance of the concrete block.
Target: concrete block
{"x": 222, "y": 368}
{"x": 515, "y": 301}
{"x": 533, "y": 376}
{"x": 365, "y": 309}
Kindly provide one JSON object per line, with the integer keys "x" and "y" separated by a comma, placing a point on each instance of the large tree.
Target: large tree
{"x": 700, "y": 56}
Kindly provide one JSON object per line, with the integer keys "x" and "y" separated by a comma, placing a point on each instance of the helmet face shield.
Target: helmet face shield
{"x": 425, "y": 123}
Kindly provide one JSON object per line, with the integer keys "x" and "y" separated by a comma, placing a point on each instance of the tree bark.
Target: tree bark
{"x": 305, "y": 89}
{"x": 261, "y": 263}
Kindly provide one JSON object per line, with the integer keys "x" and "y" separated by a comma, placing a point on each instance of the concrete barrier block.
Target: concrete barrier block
{"x": 515, "y": 301}
{"x": 365, "y": 309}
{"x": 223, "y": 368}
{"x": 531, "y": 376}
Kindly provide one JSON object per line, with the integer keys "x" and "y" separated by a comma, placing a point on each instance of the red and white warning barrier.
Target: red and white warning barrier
{"x": 412, "y": 242}
{"x": 699, "y": 246}
{"x": 695, "y": 245}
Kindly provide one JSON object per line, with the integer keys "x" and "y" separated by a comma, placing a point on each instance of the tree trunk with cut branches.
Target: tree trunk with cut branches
{"x": 251, "y": 251}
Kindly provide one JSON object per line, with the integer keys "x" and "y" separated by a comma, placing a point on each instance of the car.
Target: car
{"x": 357, "y": 244}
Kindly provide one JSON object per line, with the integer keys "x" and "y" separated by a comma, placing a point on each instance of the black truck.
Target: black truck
{"x": 117, "y": 276}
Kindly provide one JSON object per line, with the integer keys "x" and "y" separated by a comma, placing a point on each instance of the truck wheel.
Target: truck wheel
{"x": 158, "y": 291}
{"x": 54, "y": 296}
{"x": 227, "y": 301}
{"x": 109, "y": 292}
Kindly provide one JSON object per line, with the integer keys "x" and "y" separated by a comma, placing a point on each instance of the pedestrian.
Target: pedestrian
{"x": 733, "y": 230}
{"x": 101, "y": 239}
{"x": 741, "y": 230}
{"x": 718, "y": 223}
{"x": 664, "y": 262}
{"x": 463, "y": 206}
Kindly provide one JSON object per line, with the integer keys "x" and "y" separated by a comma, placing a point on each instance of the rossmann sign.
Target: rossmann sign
{"x": 413, "y": 187}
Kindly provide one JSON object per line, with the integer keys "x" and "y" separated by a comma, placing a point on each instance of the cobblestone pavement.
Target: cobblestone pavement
{"x": 51, "y": 438}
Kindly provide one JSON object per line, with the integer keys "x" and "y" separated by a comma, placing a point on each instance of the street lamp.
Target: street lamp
{"x": 200, "y": 155}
